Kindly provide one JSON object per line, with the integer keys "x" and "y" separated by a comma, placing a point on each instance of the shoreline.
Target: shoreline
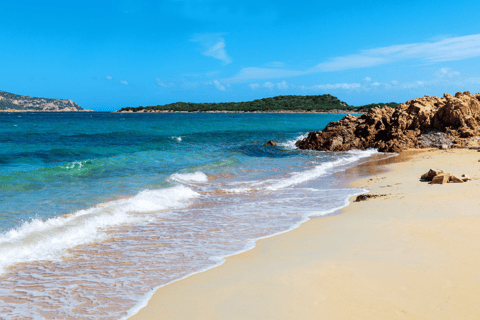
{"x": 259, "y": 273}
{"x": 46, "y": 111}
{"x": 227, "y": 111}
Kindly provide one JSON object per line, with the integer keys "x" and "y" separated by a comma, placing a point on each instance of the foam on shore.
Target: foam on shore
{"x": 47, "y": 240}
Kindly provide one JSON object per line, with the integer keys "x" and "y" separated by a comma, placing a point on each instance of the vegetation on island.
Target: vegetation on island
{"x": 319, "y": 103}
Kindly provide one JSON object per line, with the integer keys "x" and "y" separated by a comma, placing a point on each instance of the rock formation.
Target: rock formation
{"x": 10, "y": 102}
{"x": 365, "y": 197}
{"x": 438, "y": 176}
{"x": 271, "y": 143}
{"x": 454, "y": 119}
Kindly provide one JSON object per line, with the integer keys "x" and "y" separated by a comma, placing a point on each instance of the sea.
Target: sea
{"x": 98, "y": 210}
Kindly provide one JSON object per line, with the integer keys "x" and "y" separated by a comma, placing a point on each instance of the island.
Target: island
{"x": 10, "y": 102}
{"x": 281, "y": 104}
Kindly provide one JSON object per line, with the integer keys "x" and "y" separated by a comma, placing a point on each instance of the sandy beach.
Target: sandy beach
{"x": 412, "y": 254}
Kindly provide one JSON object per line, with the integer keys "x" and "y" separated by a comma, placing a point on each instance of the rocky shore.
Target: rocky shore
{"x": 449, "y": 121}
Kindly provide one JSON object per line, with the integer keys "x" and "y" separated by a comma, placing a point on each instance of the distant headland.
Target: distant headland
{"x": 10, "y": 102}
{"x": 280, "y": 104}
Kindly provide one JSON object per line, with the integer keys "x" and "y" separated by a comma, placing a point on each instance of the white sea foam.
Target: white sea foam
{"x": 304, "y": 176}
{"x": 189, "y": 177}
{"x": 250, "y": 244}
{"x": 176, "y": 138}
{"x": 76, "y": 164}
{"x": 290, "y": 144}
{"x": 46, "y": 240}
{"x": 282, "y": 208}
{"x": 318, "y": 171}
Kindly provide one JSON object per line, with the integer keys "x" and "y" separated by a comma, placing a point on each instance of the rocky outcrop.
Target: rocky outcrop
{"x": 271, "y": 143}
{"x": 455, "y": 118}
{"x": 10, "y": 102}
{"x": 438, "y": 176}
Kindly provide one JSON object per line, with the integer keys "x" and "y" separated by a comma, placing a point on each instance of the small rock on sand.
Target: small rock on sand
{"x": 455, "y": 179}
{"x": 364, "y": 197}
{"x": 441, "y": 178}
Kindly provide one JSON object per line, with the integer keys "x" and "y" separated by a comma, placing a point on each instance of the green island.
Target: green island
{"x": 312, "y": 103}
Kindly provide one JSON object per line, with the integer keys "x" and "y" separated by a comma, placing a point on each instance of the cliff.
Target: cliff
{"x": 15, "y": 102}
{"x": 450, "y": 121}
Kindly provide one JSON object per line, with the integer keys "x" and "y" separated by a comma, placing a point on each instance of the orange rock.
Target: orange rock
{"x": 441, "y": 178}
{"x": 431, "y": 174}
{"x": 393, "y": 130}
{"x": 455, "y": 179}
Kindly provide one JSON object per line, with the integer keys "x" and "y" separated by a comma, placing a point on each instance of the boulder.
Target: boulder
{"x": 441, "y": 178}
{"x": 431, "y": 174}
{"x": 271, "y": 143}
{"x": 393, "y": 130}
{"x": 455, "y": 179}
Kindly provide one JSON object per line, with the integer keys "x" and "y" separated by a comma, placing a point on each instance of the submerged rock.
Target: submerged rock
{"x": 455, "y": 120}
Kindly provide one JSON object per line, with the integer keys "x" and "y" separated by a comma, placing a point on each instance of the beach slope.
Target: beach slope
{"x": 412, "y": 254}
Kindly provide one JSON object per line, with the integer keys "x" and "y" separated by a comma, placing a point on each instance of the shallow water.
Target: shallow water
{"x": 96, "y": 210}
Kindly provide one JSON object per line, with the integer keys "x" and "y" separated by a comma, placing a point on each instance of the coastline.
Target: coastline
{"x": 367, "y": 262}
{"x": 227, "y": 111}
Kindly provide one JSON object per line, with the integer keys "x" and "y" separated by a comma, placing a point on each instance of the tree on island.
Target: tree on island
{"x": 324, "y": 102}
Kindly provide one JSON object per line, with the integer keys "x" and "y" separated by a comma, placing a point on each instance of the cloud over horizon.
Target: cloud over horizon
{"x": 446, "y": 49}
{"x": 213, "y": 45}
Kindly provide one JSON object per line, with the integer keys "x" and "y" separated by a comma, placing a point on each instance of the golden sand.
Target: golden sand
{"x": 413, "y": 254}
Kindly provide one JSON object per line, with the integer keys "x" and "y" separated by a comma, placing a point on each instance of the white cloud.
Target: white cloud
{"x": 375, "y": 84}
{"x": 448, "y": 49}
{"x": 444, "y": 49}
{"x": 124, "y": 82}
{"x": 217, "y": 85}
{"x": 212, "y": 45}
{"x": 269, "y": 85}
{"x": 165, "y": 83}
{"x": 283, "y": 85}
{"x": 446, "y": 72}
{"x": 367, "y": 79}
{"x": 343, "y": 86}
{"x": 108, "y": 78}
{"x": 350, "y": 62}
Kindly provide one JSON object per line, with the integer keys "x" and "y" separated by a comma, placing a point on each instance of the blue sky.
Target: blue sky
{"x": 105, "y": 55}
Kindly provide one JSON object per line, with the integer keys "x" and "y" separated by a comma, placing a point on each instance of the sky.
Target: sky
{"x": 110, "y": 54}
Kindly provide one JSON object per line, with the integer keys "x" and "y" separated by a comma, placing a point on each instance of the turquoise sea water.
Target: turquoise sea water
{"x": 97, "y": 209}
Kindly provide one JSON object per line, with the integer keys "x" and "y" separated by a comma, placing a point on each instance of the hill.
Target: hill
{"x": 15, "y": 102}
{"x": 313, "y": 103}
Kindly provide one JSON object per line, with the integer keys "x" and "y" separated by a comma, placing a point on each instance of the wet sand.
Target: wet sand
{"x": 412, "y": 254}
